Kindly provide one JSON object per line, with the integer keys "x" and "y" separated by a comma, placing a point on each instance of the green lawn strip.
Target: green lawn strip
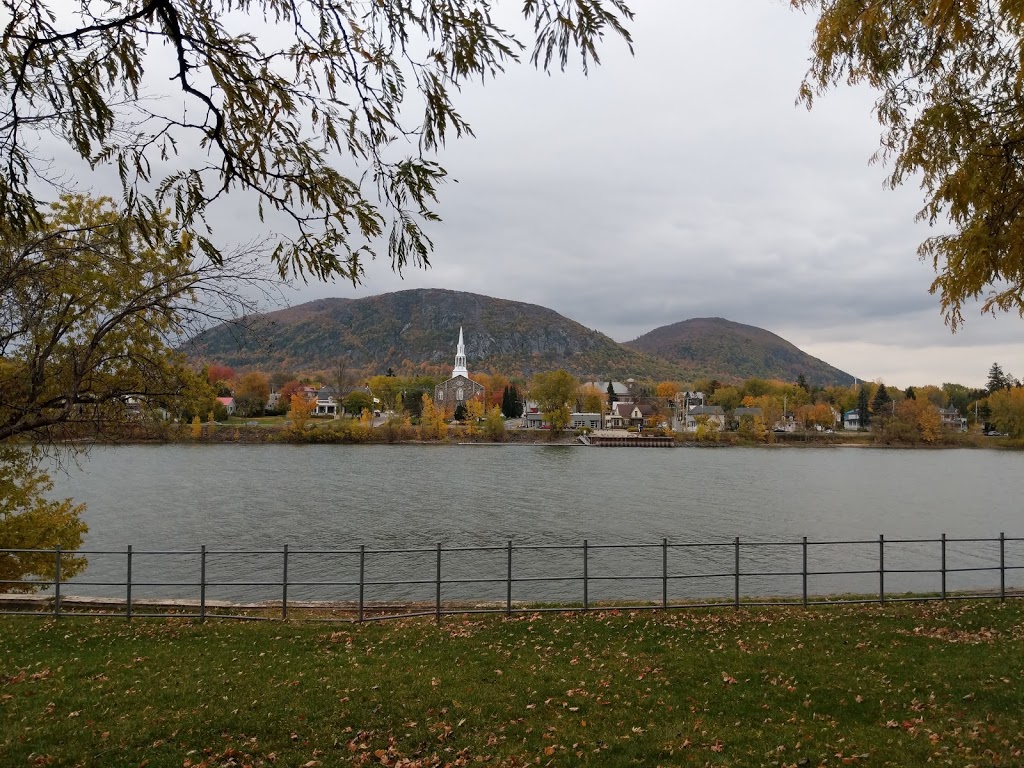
{"x": 899, "y": 685}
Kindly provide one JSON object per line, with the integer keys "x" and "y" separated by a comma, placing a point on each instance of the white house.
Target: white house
{"x": 712, "y": 414}
{"x": 327, "y": 402}
{"x": 851, "y": 420}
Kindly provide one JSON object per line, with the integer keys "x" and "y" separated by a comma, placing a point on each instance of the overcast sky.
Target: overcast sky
{"x": 685, "y": 182}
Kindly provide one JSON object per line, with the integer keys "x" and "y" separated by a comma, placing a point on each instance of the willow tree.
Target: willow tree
{"x": 950, "y": 81}
{"x": 90, "y": 308}
{"x": 327, "y": 115}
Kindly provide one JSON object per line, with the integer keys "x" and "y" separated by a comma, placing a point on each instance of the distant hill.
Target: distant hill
{"x": 733, "y": 350}
{"x": 415, "y": 327}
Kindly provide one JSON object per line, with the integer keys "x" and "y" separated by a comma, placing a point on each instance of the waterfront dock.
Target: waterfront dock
{"x": 622, "y": 439}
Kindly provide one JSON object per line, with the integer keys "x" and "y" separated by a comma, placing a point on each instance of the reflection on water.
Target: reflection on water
{"x": 259, "y": 498}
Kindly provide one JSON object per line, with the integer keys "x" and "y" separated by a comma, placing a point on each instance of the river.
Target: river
{"x": 260, "y": 497}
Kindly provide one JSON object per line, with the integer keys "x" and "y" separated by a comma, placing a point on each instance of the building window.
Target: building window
{"x": 458, "y": 394}
{"x": 440, "y": 394}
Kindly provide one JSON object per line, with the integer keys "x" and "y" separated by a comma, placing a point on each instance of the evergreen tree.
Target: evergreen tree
{"x": 910, "y": 394}
{"x": 506, "y": 409}
{"x": 997, "y": 379}
{"x": 881, "y": 401}
{"x": 460, "y": 412}
{"x": 515, "y": 402}
{"x": 862, "y": 407}
{"x": 611, "y": 395}
{"x": 801, "y": 381}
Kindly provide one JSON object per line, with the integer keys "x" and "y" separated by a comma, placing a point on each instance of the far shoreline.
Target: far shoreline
{"x": 326, "y": 433}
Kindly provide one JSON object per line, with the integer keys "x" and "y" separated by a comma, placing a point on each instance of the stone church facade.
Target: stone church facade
{"x": 459, "y": 388}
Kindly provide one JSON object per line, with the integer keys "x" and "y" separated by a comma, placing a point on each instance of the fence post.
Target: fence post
{"x": 804, "y": 571}
{"x": 881, "y": 568}
{"x": 736, "y": 585}
{"x": 586, "y": 584}
{"x": 943, "y": 566}
{"x": 128, "y": 586}
{"x": 56, "y": 582}
{"x": 664, "y": 574}
{"x": 437, "y": 584}
{"x": 202, "y": 583}
{"x": 362, "y": 579}
{"x": 508, "y": 584}
{"x": 1002, "y": 566}
{"x": 284, "y": 584}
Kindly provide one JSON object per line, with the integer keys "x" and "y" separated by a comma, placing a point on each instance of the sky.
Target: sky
{"x": 684, "y": 182}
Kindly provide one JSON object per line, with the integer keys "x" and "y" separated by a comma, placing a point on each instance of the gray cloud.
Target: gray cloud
{"x": 684, "y": 182}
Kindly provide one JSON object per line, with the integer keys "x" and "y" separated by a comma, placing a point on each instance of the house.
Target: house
{"x": 619, "y": 390}
{"x": 327, "y": 399}
{"x": 228, "y": 403}
{"x": 534, "y": 419}
{"x": 686, "y": 400}
{"x": 851, "y": 419}
{"x": 710, "y": 414}
{"x": 951, "y": 419}
{"x": 786, "y": 424}
{"x": 623, "y": 415}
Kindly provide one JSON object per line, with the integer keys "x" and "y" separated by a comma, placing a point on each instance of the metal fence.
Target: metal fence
{"x": 366, "y": 584}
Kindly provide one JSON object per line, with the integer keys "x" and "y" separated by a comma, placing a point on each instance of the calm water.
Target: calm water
{"x": 339, "y": 497}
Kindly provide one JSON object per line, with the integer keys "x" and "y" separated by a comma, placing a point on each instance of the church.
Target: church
{"x": 459, "y": 388}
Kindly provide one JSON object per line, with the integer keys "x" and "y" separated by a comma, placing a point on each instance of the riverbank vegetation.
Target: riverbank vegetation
{"x": 899, "y": 685}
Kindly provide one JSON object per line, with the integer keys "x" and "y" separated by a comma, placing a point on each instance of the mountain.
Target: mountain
{"x": 420, "y": 328}
{"x": 733, "y": 350}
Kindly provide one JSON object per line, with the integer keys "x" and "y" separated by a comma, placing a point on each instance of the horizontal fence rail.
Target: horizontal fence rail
{"x": 368, "y": 584}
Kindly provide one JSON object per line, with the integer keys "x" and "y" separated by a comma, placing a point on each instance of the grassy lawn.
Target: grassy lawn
{"x": 899, "y": 685}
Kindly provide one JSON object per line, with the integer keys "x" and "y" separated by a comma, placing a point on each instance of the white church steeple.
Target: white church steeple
{"x": 460, "y": 359}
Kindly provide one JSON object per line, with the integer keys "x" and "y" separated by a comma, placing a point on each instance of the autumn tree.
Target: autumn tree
{"x": 251, "y": 393}
{"x": 494, "y": 425}
{"x": 301, "y": 408}
{"x": 474, "y": 410}
{"x": 949, "y": 80}
{"x": 591, "y": 400}
{"x": 387, "y": 389}
{"x": 912, "y": 421}
{"x": 432, "y": 420}
{"x": 667, "y": 389}
{"x": 554, "y": 391}
{"x": 287, "y": 390}
{"x": 358, "y": 401}
{"x": 1006, "y": 411}
{"x": 90, "y": 306}
{"x": 30, "y": 520}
